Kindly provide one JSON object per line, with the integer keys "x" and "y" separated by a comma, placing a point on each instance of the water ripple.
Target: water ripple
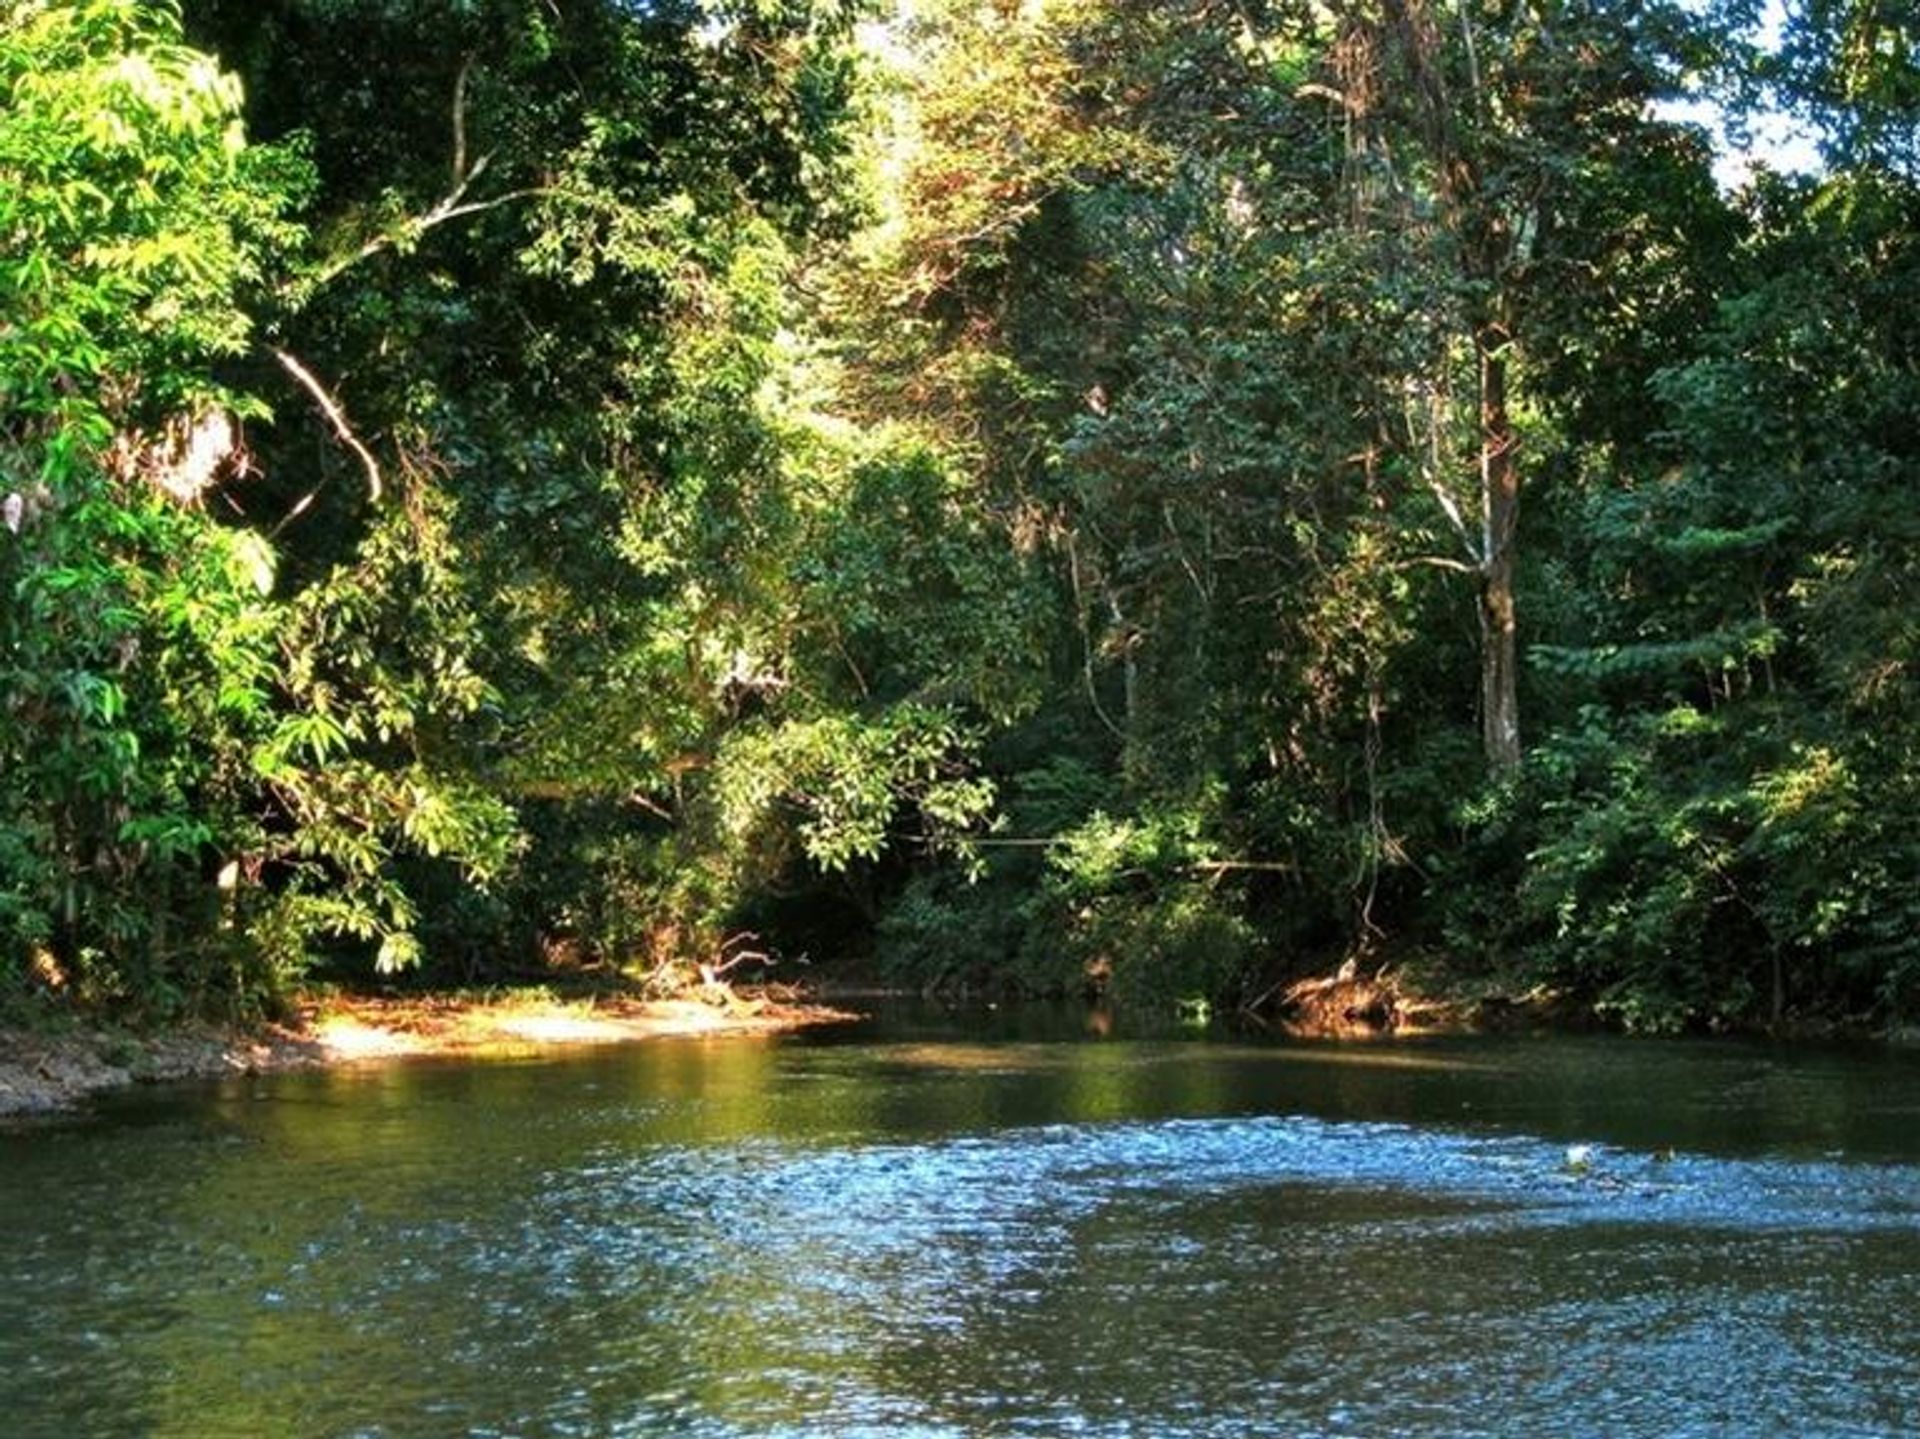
{"x": 722, "y": 1253}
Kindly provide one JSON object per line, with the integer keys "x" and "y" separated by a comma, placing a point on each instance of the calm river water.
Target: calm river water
{"x": 984, "y": 1225}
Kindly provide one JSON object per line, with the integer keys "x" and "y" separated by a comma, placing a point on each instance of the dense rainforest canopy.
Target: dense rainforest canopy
{"x": 1145, "y": 495}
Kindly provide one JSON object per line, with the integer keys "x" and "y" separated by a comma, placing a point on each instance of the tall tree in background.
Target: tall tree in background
{"x": 1264, "y": 301}
{"x": 1476, "y": 139}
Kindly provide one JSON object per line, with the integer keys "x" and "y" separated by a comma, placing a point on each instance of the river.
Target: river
{"x": 983, "y": 1224}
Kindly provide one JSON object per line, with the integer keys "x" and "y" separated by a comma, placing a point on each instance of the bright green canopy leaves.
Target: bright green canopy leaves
{"x": 136, "y": 653}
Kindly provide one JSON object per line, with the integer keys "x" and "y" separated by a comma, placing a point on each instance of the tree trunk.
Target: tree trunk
{"x": 1500, "y": 512}
{"x": 1485, "y": 241}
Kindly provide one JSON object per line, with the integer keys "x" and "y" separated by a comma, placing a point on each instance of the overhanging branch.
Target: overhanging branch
{"x": 330, "y": 407}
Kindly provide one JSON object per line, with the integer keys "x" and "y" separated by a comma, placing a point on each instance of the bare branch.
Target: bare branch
{"x": 453, "y": 205}
{"x": 1431, "y": 469}
{"x": 441, "y": 213}
{"x": 300, "y": 507}
{"x": 460, "y": 175}
{"x": 840, "y": 645}
{"x": 1201, "y": 866}
{"x": 1086, "y": 642}
{"x": 1451, "y": 508}
{"x": 1180, "y": 552}
{"x": 330, "y": 407}
{"x": 1473, "y": 60}
{"x": 1441, "y": 562}
{"x": 652, "y": 806}
{"x": 448, "y": 207}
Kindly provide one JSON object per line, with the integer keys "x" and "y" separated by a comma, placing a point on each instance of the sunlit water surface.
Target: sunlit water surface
{"x": 982, "y": 1226}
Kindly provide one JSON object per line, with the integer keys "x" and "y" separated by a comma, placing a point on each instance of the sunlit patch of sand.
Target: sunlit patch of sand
{"x": 344, "y": 1038}
{"x": 356, "y": 1029}
{"x": 559, "y": 1028}
{"x": 44, "y": 1072}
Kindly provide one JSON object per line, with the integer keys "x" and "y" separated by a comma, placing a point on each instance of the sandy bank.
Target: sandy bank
{"x": 42, "y": 1072}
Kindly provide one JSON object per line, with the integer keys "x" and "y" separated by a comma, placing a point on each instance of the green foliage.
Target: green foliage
{"x": 1141, "y": 909}
{"x": 1136, "y": 905}
{"x": 1229, "y": 374}
{"x": 1013, "y": 480}
{"x": 847, "y": 780}
{"x": 137, "y": 637}
{"x": 567, "y": 345}
{"x": 1681, "y": 869}
{"x": 1853, "y": 68}
{"x": 1714, "y": 839}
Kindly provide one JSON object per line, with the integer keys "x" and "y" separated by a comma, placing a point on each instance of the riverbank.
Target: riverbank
{"x": 47, "y": 1070}
{"x": 1416, "y": 996}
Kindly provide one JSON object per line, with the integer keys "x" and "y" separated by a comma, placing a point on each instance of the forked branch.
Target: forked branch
{"x": 453, "y": 205}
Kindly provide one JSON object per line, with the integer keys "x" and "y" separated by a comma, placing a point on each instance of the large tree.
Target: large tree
{"x": 1478, "y": 141}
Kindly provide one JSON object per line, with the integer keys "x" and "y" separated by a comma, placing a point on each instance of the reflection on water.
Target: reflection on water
{"x": 945, "y": 1230}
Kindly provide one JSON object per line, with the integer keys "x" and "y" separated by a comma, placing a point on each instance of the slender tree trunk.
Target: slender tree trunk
{"x": 1486, "y": 247}
{"x": 1129, "y": 668}
{"x": 1500, "y": 513}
